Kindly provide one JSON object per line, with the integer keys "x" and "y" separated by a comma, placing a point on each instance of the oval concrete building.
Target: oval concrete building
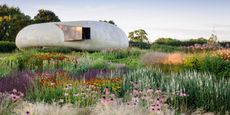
{"x": 85, "y": 35}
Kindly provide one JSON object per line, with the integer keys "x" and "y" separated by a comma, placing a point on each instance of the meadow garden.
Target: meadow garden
{"x": 115, "y": 81}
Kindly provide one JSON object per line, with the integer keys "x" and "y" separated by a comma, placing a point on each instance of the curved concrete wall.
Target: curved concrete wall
{"x": 103, "y": 35}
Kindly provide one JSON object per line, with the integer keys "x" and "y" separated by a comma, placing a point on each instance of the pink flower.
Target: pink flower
{"x": 14, "y": 91}
{"x": 135, "y": 92}
{"x": 14, "y": 97}
{"x": 27, "y": 113}
{"x": 21, "y": 94}
{"x": 158, "y": 91}
{"x": 150, "y": 91}
{"x": 183, "y": 94}
{"x": 135, "y": 85}
{"x": 104, "y": 101}
{"x": 106, "y": 90}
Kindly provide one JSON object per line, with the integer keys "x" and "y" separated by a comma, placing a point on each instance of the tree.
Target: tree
{"x": 45, "y": 16}
{"x": 12, "y": 20}
{"x": 213, "y": 40}
{"x": 110, "y": 22}
{"x": 138, "y": 36}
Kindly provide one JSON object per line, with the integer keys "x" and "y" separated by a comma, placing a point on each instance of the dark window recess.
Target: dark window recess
{"x": 85, "y": 33}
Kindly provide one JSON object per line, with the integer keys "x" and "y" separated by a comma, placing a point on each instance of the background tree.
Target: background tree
{"x": 110, "y": 21}
{"x": 12, "y": 20}
{"x": 45, "y": 16}
{"x": 138, "y": 36}
{"x": 213, "y": 40}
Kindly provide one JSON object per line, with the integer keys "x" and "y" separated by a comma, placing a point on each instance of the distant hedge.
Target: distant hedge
{"x": 141, "y": 45}
{"x": 165, "y": 48}
{"x": 6, "y": 46}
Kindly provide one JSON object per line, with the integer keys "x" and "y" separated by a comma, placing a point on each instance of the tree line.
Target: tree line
{"x": 12, "y": 20}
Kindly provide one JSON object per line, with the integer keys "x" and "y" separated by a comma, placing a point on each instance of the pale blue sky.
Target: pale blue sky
{"x": 181, "y": 19}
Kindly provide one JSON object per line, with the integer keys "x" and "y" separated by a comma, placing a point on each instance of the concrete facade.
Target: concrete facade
{"x": 70, "y": 34}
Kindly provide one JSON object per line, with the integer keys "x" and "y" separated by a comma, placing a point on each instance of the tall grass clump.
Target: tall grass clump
{"x": 41, "y": 108}
{"x": 167, "y": 62}
{"x": 8, "y": 64}
{"x": 6, "y": 105}
{"x": 187, "y": 91}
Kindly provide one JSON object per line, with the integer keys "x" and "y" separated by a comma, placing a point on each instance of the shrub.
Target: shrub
{"x": 208, "y": 63}
{"x": 6, "y": 46}
{"x": 216, "y": 65}
{"x": 141, "y": 45}
{"x": 175, "y": 42}
{"x": 165, "y": 48}
{"x": 193, "y": 61}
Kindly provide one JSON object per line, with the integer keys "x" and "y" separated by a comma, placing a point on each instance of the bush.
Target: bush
{"x": 165, "y": 48}
{"x": 6, "y": 46}
{"x": 141, "y": 45}
{"x": 208, "y": 63}
{"x": 175, "y": 42}
{"x": 216, "y": 65}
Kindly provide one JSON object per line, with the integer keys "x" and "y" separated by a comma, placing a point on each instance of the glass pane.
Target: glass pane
{"x": 71, "y": 33}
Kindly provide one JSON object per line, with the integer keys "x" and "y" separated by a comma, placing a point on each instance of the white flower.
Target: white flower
{"x": 66, "y": 94}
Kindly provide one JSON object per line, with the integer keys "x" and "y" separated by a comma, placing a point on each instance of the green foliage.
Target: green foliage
{"x": 138, "y": 36}
{"x": 99, "y": 64}
{"x": 175, "y": 42}
{"x": 208, "y": 63}
{"x": 128, "y": 57}
{"x": 76, "y": 94}
{"x": 22, "y": 59}
{"x": 165, "y": 48}
{"x": 193, "y": 62}
{"x": 203, "y": 90}
{"x": 6, "y": 46}
{"x": 79, "y": 65}
{"x": 141, "y": 45}
{"x": 168, "y": 41}
{"x": 13, "y": 24}
{"x": 216, "y": 65}
{"x": 55, "y": 49}
{"x": 45, "y": 16}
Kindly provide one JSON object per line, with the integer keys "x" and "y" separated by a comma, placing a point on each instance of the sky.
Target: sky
{"x": 179, "y": 19}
